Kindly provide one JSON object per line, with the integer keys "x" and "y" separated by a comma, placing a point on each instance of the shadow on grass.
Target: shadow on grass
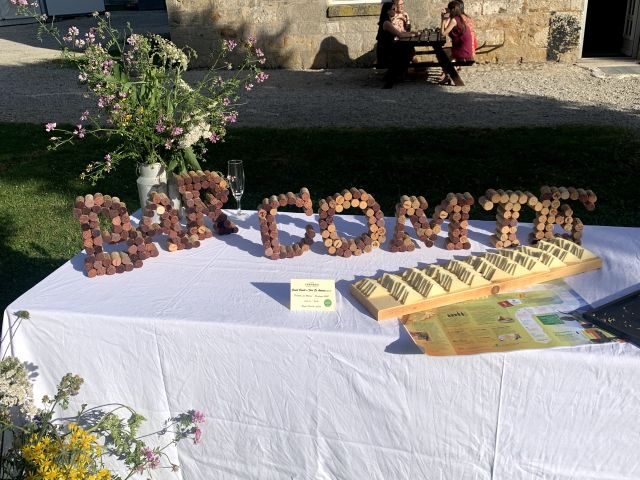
{"x": 19, "y": 271}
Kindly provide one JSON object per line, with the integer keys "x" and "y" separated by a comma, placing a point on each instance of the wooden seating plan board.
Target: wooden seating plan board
{"x": 418, "y": 289}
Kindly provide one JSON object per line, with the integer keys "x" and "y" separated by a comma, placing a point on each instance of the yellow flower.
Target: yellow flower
{"x": 75, "y": 456}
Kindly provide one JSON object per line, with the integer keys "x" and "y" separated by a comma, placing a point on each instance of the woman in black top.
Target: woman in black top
{"x": 392, "y": 55}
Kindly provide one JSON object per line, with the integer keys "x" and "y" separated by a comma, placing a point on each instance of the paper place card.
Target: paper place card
{"x": 313, "y": 294}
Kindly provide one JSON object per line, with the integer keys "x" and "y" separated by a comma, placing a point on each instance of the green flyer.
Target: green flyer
{"x": 537, "y": 317}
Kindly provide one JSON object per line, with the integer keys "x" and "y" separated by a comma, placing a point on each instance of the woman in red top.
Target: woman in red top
{"x": 457, "y": 25}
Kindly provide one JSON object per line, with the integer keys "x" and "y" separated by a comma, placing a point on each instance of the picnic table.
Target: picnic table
{"x": 434, "y": 39}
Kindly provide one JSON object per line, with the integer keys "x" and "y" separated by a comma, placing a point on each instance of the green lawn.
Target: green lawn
{"x": 37, "y": 187}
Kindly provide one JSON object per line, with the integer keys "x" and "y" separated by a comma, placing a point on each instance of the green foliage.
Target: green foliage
{"x": 564, "y": 34}
{"x": 144, "y": 105}
{"x": 46, "y": 443}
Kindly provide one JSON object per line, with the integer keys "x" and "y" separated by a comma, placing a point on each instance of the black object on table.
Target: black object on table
{"x": 621, "y": 317}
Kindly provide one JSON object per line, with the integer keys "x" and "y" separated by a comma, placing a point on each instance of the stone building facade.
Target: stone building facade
{"x": 301, "y": 34}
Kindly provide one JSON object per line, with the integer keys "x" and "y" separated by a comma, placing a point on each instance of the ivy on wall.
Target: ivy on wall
{"x": 564, "y": 35}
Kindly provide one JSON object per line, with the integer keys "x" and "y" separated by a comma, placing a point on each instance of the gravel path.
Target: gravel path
{"x": 35, "y": 89}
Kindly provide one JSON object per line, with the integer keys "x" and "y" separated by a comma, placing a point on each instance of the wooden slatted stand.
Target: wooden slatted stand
{"x": 417, "y": 290}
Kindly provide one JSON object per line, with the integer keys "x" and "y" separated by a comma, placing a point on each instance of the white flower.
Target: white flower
{"x": 184, "y": 85}
{"x": 15, "y": 388}
{"x": 201, "y": 130}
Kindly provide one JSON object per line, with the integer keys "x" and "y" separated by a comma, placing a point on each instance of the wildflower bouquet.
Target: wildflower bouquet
{"x": 142, "y": 99}
{"x": 38, "y": 445}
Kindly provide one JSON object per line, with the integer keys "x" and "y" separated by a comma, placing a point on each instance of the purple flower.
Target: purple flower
{"x": 261, "y": 77}
{"x": 231, "y": 44}
{"x": 248, "y": 87}
{"x": 153, "y": 459}
{"x": 79, "y": 131}
{"x": 160, "y": 126}
{"x": 214, "y": 138}
{"x": 231, "y": 118}
{"x": 74, "y": 31}
{"x": 259, "y": 53}
{"x": 197, "y": 436}
{"x": 176, "y": 131}
{"x": 84, "y": 115}
{"x": 197, "y": 416}
{"x": 226, "y": 102}
{"x": 50, "y": 126}
{"x": 107, "y": 158}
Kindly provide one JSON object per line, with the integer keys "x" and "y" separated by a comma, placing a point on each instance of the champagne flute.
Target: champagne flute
{"x": 235, "y": 175}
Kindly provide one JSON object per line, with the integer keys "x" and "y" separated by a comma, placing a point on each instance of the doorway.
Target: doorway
{"x": 603, "y": 29}
{"x": 611, "y": 28}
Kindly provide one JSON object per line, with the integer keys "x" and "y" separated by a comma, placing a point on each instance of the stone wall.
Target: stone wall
{"x": 301, "y": 34}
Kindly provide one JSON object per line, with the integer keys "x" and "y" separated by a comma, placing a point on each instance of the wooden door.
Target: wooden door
{"x": 631, "y": 29}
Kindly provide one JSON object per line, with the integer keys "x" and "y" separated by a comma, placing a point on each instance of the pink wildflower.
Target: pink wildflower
{"x": 176, "y": 131}
{"x": 153, "y": 458}
{"x": 74, "y": 31}
{"x": 197, "y": 436}
{"x": 107, "y": 158}
{"x": 167, "y": 145}
{"x": 79, "y": 131}
{"x": 197, "y": 416}
{"x": 50, "y": 126}
{"x": 248, "y": 87}
{"x": 214, "y": 138}
{"x": 259, "y": 53}
{"x": 160, "y": 126}
{"x": 226, "y": 102}
{"x": 91, "y": 35}
{"x": 84, "y": 115}
{"x": 231, "y": 44}
{"x": 231, "y": 118}
{"x": 261, "y": 77}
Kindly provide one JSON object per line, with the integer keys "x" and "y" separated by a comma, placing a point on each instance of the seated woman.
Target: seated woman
{"x": 395, "y": 57}
{"x": 458, "y": 26}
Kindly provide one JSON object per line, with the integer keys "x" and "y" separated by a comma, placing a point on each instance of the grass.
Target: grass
{"x": 37, "y": 187}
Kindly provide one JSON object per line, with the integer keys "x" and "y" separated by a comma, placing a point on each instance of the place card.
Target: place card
{"x": 313, "y": 294}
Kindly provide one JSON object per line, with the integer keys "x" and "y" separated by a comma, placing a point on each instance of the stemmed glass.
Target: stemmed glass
{"x": 235, "y": 175}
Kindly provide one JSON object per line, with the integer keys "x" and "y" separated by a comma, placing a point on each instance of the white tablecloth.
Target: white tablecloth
{"x": 334, "y": 395}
